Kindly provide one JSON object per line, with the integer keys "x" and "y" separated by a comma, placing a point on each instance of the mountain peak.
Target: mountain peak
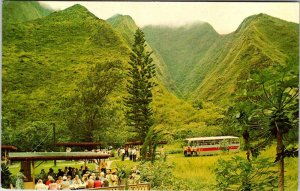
{"x": 75, "y": 12}
{"x": 260, "y": 19}
{"x": 76, "y": 7}
{"x": 117, "y": 19}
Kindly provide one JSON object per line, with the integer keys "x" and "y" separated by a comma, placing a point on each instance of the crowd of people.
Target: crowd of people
{"x": 131, "y": 152}
{"x": 73, "y": 178}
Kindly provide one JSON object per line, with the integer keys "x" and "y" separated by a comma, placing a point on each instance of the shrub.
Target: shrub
{"x": 240, "y": 174}
{"x": 5, "y": 176}
{"x": 159, "y": 174}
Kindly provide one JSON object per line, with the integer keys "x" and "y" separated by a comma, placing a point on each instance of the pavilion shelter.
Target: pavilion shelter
{"x": 83, "y": 145}
{"x": 5, "y": 149}
{"x": 28, "y": 160}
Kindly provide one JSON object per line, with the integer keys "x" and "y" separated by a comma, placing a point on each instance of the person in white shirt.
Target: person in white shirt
{"x": 40, "y": 185}
{"x": 133, "y": 151}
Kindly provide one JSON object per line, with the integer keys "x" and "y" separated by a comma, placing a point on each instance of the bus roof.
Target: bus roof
{"x": 211, "y": 138}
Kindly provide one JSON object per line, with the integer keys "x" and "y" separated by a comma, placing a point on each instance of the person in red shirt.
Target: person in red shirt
{"x": 49, "y": 180}
{"x": 97, "y": 183}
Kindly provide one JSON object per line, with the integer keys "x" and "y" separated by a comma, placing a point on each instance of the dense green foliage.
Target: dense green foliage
{"x": 48, "y": 64}
{"x": 242, "y": 175}
{"x": 90, "y": 114}
{"x": 43, "y": 66}
{"x": 5, "y": 176}
{"x": 267, "y": 109}
{"x": 223, "y": 60}
{"x": 160, "y": 176}
{"x": 20, "y": 11}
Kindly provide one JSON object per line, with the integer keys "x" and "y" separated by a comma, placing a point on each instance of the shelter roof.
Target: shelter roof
{"x": 80, "y": 144}
{"x": 140, "y": 143}
{"x": 31, "y": 156}
{"x": 8, "y": 147}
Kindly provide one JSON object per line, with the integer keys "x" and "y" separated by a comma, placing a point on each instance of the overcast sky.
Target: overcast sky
{"x": 224, "y": 17}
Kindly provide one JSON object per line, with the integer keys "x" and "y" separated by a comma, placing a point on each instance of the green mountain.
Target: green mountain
{"x": 260, "y": 41}
{"x": 45, "y": 63}
{"x": 126, "y": 27}
{"x": 20, "y": 11}
{"x": 211, "y": 66}
{"x": 181, "y": 48}
{"x": 48, "y": 69}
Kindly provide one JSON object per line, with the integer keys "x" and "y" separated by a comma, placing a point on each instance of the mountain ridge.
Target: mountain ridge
{"x": 220, "y": 59}
{"x": 20, "y": 11}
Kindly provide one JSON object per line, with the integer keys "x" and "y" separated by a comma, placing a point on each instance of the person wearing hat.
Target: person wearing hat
{"x": 65, "y": 185}
{"x": 40, "y": 185}
{"x": 114, "y": 178}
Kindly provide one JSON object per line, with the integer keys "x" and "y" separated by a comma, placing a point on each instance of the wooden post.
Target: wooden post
{"x": 53, "y": 125}
{"x": 33, "y": 178}
{"x": 99, "y": 169}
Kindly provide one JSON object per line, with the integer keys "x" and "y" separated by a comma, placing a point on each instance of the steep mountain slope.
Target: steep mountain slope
{"x": 210, "y": 71}
{"x": 19, "y": 11}
{"x": 126, "y": 27}
{"x": 177, "y": 117}
{"x": 261, "y": 40}
{"x": 46, "y": 60}
{"x": 181, "y": 48}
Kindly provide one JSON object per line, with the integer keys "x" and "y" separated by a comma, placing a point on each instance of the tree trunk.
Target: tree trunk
{"x": 279, "y": 151}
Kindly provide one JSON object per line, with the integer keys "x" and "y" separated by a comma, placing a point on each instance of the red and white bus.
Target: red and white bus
{"x": 211, "y": 145}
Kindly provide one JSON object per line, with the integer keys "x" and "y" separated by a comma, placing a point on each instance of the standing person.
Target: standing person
{"x": 40, "y": 185}
{"x": 118, "y": 151}
{"x": 20, "y": 179}
{"x": 104, "y": 166}
{"x": 130, "y": 153}
{"x": 134, "y": 154}
{"x": 126, "y": 151}
{"x": 123, "y": 153}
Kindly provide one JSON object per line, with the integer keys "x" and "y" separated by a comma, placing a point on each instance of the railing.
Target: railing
{"x": 141, "y": 186}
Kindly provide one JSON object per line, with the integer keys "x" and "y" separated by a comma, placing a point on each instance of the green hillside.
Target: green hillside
{"x": 181, "y": 48}
{"x": 49, "y": 78}
{"x": 261, "y": 40}
{"x": 45, "y": 61}
{"x": 206, "y": 66}
{"x": 126, "y": 27}
{"x": 20, "y": 11}
{"x": 176, "y": 117}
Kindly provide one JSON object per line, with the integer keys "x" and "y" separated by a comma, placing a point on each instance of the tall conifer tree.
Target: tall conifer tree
{"x": 140, "y": 83}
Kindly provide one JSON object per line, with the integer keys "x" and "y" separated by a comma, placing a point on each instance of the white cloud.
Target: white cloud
{"x": 224, "y": 17}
